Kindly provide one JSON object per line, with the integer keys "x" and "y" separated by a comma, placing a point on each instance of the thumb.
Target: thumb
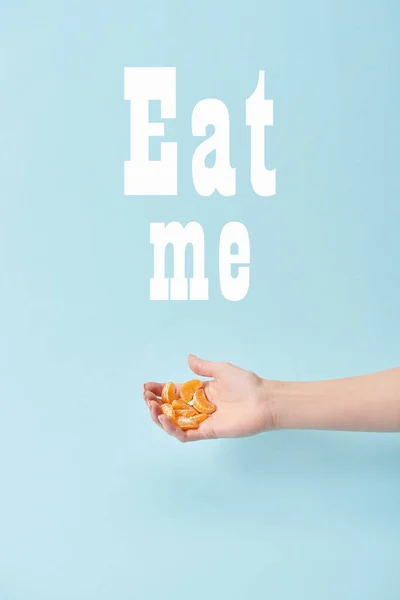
{"x": 205, "y": 368}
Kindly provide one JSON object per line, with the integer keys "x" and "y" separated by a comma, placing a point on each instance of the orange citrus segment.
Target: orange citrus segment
{"x": 200, "y": 417}
{"x": 180, "y": 405}
{"x": 201, "y": 403}
{"x": 189, "y": 388}
{"x": 190, "y": 412}
{"x": 186, "y": 423}
{"x": 168, "y": 393}
{"x": 167, "y": 409}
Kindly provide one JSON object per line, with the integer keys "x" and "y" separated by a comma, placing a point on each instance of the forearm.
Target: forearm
{"x": 365, "y": 403}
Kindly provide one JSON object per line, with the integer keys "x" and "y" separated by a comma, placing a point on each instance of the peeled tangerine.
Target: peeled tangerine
{"x": 186, "y": 423}
{"x": 189, "y": 388}
{"x": 200, "y": 417}
{"x": 201, "y": 404}
{"x": 177, "y": 408}
{"x": 190, "y": 412}
{"x": 167, "y": 409}
{"x": 168, "y": 393}
{"x": 180, "y": 405}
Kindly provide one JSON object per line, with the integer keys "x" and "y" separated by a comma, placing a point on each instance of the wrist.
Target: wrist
{"x": 286, "y": 404}
{"x": 272, "y": 394}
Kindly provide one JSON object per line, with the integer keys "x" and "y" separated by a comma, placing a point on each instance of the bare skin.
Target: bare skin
{"x": 247, "y": 404}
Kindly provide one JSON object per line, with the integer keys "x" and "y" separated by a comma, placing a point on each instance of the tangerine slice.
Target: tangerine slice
{"x": 168, "y": 393}
{"x": 201, "y": 403}
{"x": 167, "y": 409}
{"x": 180, "y": 405}
{"x": 189, "y": 412}
{"x": 189, "y": 388}
{"x": 200, "y": 417}
{"x": 186, "y": 423}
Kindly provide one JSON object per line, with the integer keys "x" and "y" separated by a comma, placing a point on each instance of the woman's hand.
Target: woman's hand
{"x": 247, "y": 404}
{"x": 244, "y": 405}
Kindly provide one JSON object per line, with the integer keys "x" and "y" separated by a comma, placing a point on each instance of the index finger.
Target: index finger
{"x": 154, "y": 387}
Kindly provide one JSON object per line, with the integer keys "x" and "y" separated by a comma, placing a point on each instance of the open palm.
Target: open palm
{"x": 241, "y": 398}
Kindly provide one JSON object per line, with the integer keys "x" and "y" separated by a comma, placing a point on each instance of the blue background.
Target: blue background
{"x": 95, "y": 501}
